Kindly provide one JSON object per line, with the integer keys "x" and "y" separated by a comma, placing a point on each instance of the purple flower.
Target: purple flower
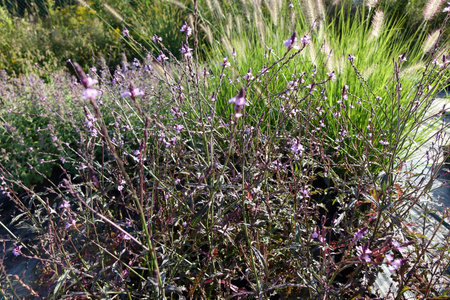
{"x": 290, "y": 42}
{"x": 124, "y": 236}
{"x": 315, "y": 235}
{"x": 186, "y": 51}
{"x": 396, "y": 245}
{"x": 350, "y": 57}
{"x": 133, "y": 93}
{"x": 156, "y": 38}
{"x": 162, "y": 57}
{"x": 239, "y": 102}
{"x": 296, "y": 147}
{"x": 65, "y": 204}
{"x": 225, "y": 63}
{"x": 186, "y": 29}
{"x": 306, "y": 39}
{"x": 364, "y": 253}
{"x": 360, "y": 234}
{"x": 178, "y": 128}
{"x": 331, "y": 75}
{"x": 125, "y": 32}
{"x": 291, "y": 5}
{"x": 402, "y": 57}
{"x": 70, "y": 224}
{"x": 393, "y": 264}
{"x": 16, "y": 251}
{"x": 171, "y": 142}
{"x": 384, "y": 142}
{"x": 90, "y": 93}
{"x": 249, "y": 75}
{"x": 90, "y": 82}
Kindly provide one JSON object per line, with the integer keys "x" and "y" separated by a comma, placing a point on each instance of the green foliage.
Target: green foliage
{"x": 73, "y": 32}
{"x": 48, "y": 35}
{"x": 34, "y": 122}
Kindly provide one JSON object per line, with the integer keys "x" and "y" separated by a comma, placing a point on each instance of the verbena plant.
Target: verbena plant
{"x": 371, "y": 41}
{"x": 178, "y": 180}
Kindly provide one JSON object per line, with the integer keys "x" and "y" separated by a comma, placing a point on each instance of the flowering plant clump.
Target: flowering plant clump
{"x": 226, "y": 178}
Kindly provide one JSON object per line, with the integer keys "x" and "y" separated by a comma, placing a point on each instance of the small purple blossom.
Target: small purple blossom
{"x": 124, "y": 236}
{"x": 402, "y": 57}
{"x": 384, "y": 142}
{"x": 125, "y": 32}
{"x": 171, "y": 142}
{"x": 65, "y": 204}
{"x": 249, "y": 75}
{"x": 360, "y": 234}
{"x": 186, "y": 29}
{"x": 90, "y": 93}
{"x": 178, "y": 128}
{"x": 70, "y": 224}
{"x": 306, "y": 39}
{"x": 290, "y": 42}
{"x": 16, "y": 251}
{"x": 162, "y": 57}
{"x": 364, "y": 253}
{"x": 239, "y": 102}
{"x": 156, "y": 38}
{"x": 225, "y": 63}
{"x": 331, "y": 76}
{"x": 186, "y": 51}
{"x": 296, "y": 147}
{"x": 133, "y": 92}
{"x": 350, "y": 57}
{"x": 393, "y": 264}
